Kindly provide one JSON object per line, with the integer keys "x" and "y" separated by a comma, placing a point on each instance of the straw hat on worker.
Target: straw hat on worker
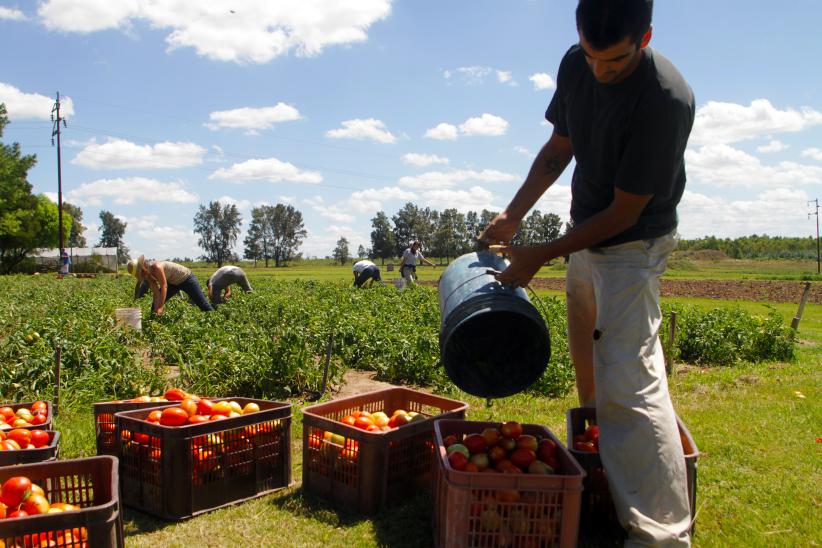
{"x": 165, "y": 279}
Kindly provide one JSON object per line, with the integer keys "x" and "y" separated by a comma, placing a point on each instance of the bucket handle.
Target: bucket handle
{"x": 536, "y": 297}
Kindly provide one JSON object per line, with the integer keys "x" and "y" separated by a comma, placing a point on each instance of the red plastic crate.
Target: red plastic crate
{"x": 104, "y": 427}
{"x": 45, "y": 426}
{"x": 597, "y": 503}
{"x": 176, "y": 472}
{"x": 28, "y": 456}
{"x": 89, "y": 483}
{"x": 518, "y": 510}
{"x": 372, "y": 470}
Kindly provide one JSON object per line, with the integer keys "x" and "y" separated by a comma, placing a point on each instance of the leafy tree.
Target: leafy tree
{"x": 260, "y": 235}
{"x": 76, "y": 238}
{"x": 287, "y": 233}
{"x": 253, "y": 244}
{"x": 218, "y": 226}
{"x": 471, "y": 230}
{"x": 341, "y": 251}
{"x": 538, "y": 229}
{"x": 112, "y": 231}
{"x": 383, "y": 244}
{"x": 450, "y": 234}
{"x": 361, "y": 252}
{"x": 412, "y": 223}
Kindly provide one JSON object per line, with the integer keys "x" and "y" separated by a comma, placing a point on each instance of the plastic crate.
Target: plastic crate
{"x": 176, "y": 472}
{"x": 104, "y": 427}
{"x": 45, "y": 426}
{"x": 29, "y": 456}
{"x": 89, "y": 483}
{"x": 482, "y": 509}
{"x": 597, "y": 503}
{"x": 372, "y": 470}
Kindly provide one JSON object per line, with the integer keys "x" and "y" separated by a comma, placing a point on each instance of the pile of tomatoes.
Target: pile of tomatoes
{"x": 587, "y": 442}
{"x": 195, "y": 410}
{"x": 379, "y": 421}
{"x": 24, "y": 417}
{"x": 23, "y": 438}
{"x": 20, "y": 498}
{"x": 504, "y": 450}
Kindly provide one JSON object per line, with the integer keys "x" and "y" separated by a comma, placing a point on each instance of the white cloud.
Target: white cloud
{"x": 423, "y": 160}
{"x": 442, "y": 132}
{"x": 505, "y": 77}
{"x": 485, "y": 125}
{"x": 718, "y": 122}
{"x": 254, "y": 31}
{"x": 777, "y": 212}
{"x": 51, "y": 196}
{"x": 363, "y": 129}
{"x": 252, "y": 118}
{"x": 774, "y": 145}
{"x": 242, "y": 205}
{"x": 542, "y": 80}
{"x": 21, "y": 105}
{"x": 524, "y": 151}
{"x": 813, "y": 152}
{"x": 122, "y": 154}
{"x": 11, "y": 14}
{"x": 476, "y": 75}
{"x": 725, "y": 166}
{"x": 266, "y": 169}
{"x": 283, "y": 199}
{"x": 446, "y": 179}
{"x": 371, "y": 200}
{"x": 130, "y": 190}
{"x": 333, "y": 212}
{"x": 556, "y": 200}
{"x": 322, "y": 242}
{"x": 474, "y": 199}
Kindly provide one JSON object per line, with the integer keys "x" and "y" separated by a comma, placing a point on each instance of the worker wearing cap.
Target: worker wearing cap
{"x": 364, "y": 271}
{"x": 221, "y": 281}
{"x": 166, "y": 279}
{"x": 623, "y": 112}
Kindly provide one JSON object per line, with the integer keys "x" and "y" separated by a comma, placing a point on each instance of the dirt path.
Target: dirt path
{"x": 358, "y": 382}
{"x": 742, "y": 290}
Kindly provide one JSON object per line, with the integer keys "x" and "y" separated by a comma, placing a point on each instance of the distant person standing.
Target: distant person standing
{"x": 65, "y": 263}
{"x": 166, "y": 279}
{"x": 221, "y": 281}
{"x": 365, "y": 271}
{"x": 410, "y": 258}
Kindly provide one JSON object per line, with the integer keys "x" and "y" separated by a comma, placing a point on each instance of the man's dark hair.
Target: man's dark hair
{"x": 605, "y": 23}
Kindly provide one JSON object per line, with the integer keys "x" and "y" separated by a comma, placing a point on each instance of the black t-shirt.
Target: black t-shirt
{"x": 630, "y": 135}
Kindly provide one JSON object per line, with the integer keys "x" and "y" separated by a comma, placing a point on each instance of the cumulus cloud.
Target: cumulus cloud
{"x": 122, "y": 154}
{"x": 333, "y": 212}
{"x": 487, "y": 125}
{"x": 252, "y": 31}
{"x": 266, "y": 169}
{"x": 725, "y": 166}
{"x": 321, "y": 243}
{"x": 524, "y": 151}
{"x": 474, "y": 199}
{"x": 130, "y": 190}
{"x": 476, "y": 75}
{"x": 778, "y": 212}
{"x": 21, "y": 105}
{"x": 505, "y": 77}
{"x": 542, "y": 80}
{"x": 442, "y": 132}
{"x": 51, "y": 196}
{"x": 718, "y": 123}
{"x": 423, "y": 160}
{"x": 228, "y": 200}
{"x": 813, "y": 152}
{"x": 774, "y": 145}
{"x": 556, "y": 200}
{"x": 446, "y": 179}
{"x": 252, "y": 119}
{"x": 369, "y": 128}
{"x": 371, "y": 200}
{"x": 11, "y": 14}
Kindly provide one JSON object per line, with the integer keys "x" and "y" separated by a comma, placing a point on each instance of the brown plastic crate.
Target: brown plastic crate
{"x": 29, "y": 456}
{"x": 176, "y": 472}
{"x": 481, "y": 509}
{"x": 45, "y": 426}
{"x": 597, "y": 504}
{"x": 106, "y": 430}
{"x": 372, "y": 470}
{"x": 90, "y": 483}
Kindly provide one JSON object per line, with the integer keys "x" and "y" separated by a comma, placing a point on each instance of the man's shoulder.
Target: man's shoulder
{"x": 670, "y": 86}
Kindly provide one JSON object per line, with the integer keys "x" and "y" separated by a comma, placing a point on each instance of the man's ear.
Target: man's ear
{"x": 646, "y": 37}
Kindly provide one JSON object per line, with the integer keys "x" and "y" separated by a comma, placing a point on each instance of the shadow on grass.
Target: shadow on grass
{"x": 136, "y": 522}
{"x": 404, "y": 525}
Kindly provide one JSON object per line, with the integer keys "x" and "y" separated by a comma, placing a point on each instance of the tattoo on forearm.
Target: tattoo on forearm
{"x": 553, "y": 165}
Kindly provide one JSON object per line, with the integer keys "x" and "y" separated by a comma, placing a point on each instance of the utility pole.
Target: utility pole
{"x": 55, "y": 117}
{"x": 816, "y": 212}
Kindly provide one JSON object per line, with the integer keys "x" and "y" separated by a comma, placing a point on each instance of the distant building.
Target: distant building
{"x": 83, "y": 259}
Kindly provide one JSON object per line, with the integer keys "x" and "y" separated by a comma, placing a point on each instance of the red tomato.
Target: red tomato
{"x": 511, "y": 429}
{"x": 9, "y": 445}
{"x": 15, "y": 490}
{"x": 154, "y": 416}
{"x": 39, "y": 405}
{"x": 523, "y": 457}
{"x": 39, "y": 418}
{"x": 475, "y": 443}
{"x": 189, "y": 406}
{"x": 205, "y": 407}
{"x": 19, "y": 514}
{"x": 585, "y": 447}
{"x": 457, "y": 460}
{"x": 21, "y": 436}
{"x": 175, "y": 394}
{"x": 197, "y": 419}
{"x": 350, "y": 420}
{"x": 7, "y": 412}
{"x": 592, "y": 433}
{"x": 547, "y": 449}
{"x": 36, "y": 504}
{"x": 173, "y": 416}
{"x": 363, "y": 422}
{"x": 142, "y": 439}
{"x": 39, "y": 438}
{"x": 373, "y": 428}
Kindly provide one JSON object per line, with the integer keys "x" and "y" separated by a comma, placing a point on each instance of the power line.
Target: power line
{"x": 816, "y": 212}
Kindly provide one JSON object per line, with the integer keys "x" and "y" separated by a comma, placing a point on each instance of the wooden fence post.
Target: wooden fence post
{"x": 669, "y": 362}
{"x": 795, "y": 321}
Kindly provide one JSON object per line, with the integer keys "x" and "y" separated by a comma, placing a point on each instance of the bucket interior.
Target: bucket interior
{"x": 496, "y": 353}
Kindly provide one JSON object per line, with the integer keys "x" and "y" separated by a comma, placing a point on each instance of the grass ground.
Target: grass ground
{"x": 759, "y": 472}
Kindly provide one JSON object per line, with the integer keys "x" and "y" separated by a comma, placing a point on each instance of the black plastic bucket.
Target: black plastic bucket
{"x": 493, "y": 342}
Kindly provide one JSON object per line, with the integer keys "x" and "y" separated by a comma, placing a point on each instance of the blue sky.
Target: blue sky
{"x": 343, "y": 108}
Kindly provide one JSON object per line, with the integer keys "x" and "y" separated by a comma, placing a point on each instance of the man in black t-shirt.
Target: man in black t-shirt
{"x": 624, "y": 113}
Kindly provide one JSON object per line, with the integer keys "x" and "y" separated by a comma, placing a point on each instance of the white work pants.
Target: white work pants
{"x": 639, "y": 439}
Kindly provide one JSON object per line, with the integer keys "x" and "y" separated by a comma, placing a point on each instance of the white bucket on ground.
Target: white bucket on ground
{"x": 129, "y": 317}
{"x": 399, "y": 283}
